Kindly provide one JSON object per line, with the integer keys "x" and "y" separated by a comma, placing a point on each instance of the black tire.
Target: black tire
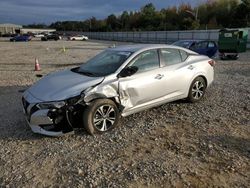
{"x": 197, "y": 89}
{"x": 233, "y": 57}
{"x": 104, "y": 122}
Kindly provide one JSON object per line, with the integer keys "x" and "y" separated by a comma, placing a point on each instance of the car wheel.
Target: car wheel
{"x": 73, "y": 39}
{"x": 233, "y": 57}
{"x": 101, "y": 116}
{"x": 197, "y": 89}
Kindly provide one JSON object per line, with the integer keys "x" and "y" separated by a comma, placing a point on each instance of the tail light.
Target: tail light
{"x": 211, "y": 62}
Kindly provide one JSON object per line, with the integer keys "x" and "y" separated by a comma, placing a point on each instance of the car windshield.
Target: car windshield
{"x": 105, "y": 63}
{"x": 184, "y": 44}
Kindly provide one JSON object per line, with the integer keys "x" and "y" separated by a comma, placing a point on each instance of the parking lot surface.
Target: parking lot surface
{"x": 206, "y": 144}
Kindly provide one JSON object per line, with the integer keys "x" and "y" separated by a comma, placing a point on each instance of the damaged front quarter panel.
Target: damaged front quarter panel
{"x": 107, "y": 89}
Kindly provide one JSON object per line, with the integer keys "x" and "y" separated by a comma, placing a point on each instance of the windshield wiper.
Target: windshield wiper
{"x": 84, "y": 72}
{"x": 87, "y": 73}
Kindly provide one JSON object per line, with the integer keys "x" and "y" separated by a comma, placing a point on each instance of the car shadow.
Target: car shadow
{"x": 13, "y": 125}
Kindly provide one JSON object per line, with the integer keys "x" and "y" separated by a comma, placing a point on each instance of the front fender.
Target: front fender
{"x": 104, "y": 90}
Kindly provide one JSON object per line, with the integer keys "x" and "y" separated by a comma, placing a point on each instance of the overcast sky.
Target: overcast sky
{"x": 47, "y": 11}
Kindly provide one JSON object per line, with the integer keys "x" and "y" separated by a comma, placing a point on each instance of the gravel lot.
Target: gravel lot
{"x": 179, "y": 144}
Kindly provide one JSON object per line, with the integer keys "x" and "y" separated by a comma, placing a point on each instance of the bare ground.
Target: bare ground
{"x": 179, "y": 144}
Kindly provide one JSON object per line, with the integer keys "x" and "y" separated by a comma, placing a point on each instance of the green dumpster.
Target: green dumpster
{"x": 232, "y": 42}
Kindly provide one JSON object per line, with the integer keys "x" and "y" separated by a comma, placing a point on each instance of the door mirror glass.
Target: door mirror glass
{"x": 128, "y": 71}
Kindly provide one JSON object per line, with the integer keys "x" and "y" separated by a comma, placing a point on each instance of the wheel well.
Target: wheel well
{"x": 111, "y": 98}
{"x": 203, "y": 78}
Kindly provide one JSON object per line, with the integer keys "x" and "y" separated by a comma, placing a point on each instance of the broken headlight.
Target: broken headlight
{"x": 49, "y": 105}
{"x": 75, "y": 100}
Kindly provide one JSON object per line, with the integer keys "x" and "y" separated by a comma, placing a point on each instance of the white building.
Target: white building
{"x": 8, "y": 28}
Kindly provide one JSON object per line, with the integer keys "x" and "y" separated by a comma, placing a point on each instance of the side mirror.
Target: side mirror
{"x": 128, "y": 71}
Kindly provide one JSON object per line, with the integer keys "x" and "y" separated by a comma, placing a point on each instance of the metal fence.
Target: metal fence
{"x": 157, "y": 36}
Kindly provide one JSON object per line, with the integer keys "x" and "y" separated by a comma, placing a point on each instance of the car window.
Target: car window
{"x": 201, "y": 45}
{"x": 147, "y": 60}
{"x": 184, "y": 44}
{"x": 105, "y": 63}
{"x": 171, "y": 56}
{"x": 184, "y": 55}
{"x": 211, "y": 45}
{"x": 240, "y": 34}
{"x": 192, "y": 46}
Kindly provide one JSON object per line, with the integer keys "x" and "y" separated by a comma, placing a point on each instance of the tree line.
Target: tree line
{"x": 212, "y": 14}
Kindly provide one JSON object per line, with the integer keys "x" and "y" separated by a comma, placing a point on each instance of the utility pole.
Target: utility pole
{"x": 194, "y": 14}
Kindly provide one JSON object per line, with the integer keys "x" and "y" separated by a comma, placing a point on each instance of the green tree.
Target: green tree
{"x": 211, "y": 14}
{"x": 112, "y": 22}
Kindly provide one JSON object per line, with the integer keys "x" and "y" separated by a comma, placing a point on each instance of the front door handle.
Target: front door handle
{"x": 159, "y": 76}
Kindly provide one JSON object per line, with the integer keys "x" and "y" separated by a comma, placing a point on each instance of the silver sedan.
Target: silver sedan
{"x": 117, "y": 82}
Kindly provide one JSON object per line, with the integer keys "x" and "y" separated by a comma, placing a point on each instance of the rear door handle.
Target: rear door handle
{"x": 159, "y": 76}
{"x": 191, "y": 67}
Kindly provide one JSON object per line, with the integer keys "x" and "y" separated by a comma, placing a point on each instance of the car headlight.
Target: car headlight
{"x": 49, "y": 105}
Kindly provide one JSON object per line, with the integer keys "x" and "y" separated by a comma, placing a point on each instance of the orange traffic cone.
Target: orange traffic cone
{"x": 37, "y": 66}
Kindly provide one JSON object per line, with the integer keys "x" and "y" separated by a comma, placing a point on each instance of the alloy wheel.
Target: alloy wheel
{"x": 198, "y": 90}
{"x": 104, "y": 117}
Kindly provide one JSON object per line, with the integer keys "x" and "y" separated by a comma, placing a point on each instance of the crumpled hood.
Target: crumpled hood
{"x": 62, "y": 85}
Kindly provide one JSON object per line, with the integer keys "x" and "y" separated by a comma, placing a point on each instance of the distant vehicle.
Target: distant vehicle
{"x": 232, "y": 42}
{"x": 78, "y": 37}
{"x": 9, "y": 35}
{"x": 185, "y": 43}
{"x": 39, "y": 35}
{"x": 119, "y": 81}
{"x": 206, "y": 47}
{"x": 51, "y": 37}
{"x": 21, "y": 38}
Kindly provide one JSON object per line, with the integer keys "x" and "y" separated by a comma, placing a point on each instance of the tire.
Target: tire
{"x": 197, "y": 89}
{"x": 96, "y": 121}
{"x": 233, "y": 57}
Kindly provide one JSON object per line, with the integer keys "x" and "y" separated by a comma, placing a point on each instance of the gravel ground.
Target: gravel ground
{"x": 206, "y": 144}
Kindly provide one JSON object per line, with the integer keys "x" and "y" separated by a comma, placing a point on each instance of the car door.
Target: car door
{"x": 211, "y": 49}
{"x": 146, "y": 85}
{"x": 201, "y": 47}
{"x": 178, "y": 72}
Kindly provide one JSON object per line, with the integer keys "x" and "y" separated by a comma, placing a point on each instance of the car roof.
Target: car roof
{"x": 193, "y": 40}
{"x": 139, "y": 47}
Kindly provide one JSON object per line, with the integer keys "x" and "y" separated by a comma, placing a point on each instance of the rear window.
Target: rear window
{"x": 201, "y": 45}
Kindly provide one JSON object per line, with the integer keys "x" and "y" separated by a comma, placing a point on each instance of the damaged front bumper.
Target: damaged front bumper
{"x": 50, "y": 122}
